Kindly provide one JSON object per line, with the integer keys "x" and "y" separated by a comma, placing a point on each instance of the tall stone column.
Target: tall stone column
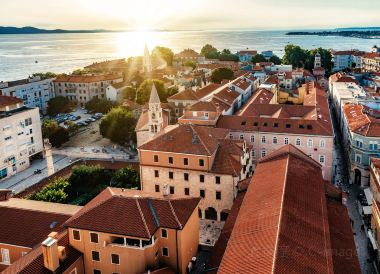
{"x": 49, "y": 157}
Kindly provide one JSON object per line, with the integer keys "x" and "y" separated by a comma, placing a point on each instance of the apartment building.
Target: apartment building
{"x": 34, "y": 91}
{"x": 25, "y": 224}
{"x": 267, "y": 127}
{"x": 126, "y": 231}
{"x": 83, "y": 88}
{"x": 342, "y": 59}
{"x": 374, "y": 232}
{"x": 196, "y": 161}
{"x": 290, "y": 221}
{"x": 360, "y": 127}
{"x": 20, "y": 137}
{"x": 371, "y": 62}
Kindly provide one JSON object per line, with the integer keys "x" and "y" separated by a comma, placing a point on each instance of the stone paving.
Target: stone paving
{"x": 342, "y": 180}
{"x": 209, "y": 231}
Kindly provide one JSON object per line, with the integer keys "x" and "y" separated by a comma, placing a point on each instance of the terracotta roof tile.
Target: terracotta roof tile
{"x": 86, "y": 78}
{"x": 8, "y": 100}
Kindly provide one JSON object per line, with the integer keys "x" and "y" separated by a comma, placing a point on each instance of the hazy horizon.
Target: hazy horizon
{"x": 170, "y": 15}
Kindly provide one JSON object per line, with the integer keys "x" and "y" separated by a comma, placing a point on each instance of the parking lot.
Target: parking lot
{"x": 80, "y": 117}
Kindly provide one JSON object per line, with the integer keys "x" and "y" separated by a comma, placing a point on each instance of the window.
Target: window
{"x": 28, "y": 122}
{"x": 358, "y": 158}
{"x": 372, "y": 145}
{"x": 286, "y": 141}
{"x": 274, "y": 140}
{"x": 263, "y": 152}
{"x": 94, "y": 237}
{"x": 218, "y": 195}
{"x": 171, "y": 175}
{"x": 263, "y": 139}
{"x": 95, "y": 256}
{"x": 206, "y": 115}
{"x": 359, "y": 143}
{"x": 165, "y": 252}
{"x": 252, "y": 138}
{"x": 217, "y": 180}
{"x": 231, "y": 136}
{"x": 186, "y": 176}
{"x": 96, "y": 271}
{"x": 241, "y": 136}
{"x": 298, "y": 142}
{"x": 157, "y": 188}
{"x": 187, "y": 191}
{"x": 185, "y": 161}
{"x": 322, "y": 159}
{"x": 171, "y": 189}
{"x": 310, "y": 143}
{"x": 202, "y": 193}
{"x": 253, "y": 154}
{"x": 170, "y": 160}
{"x": 156, "y": 174}
{"x": 201, "y": 162}
{"x": 155, "y": 158}
{"x": 201, "y": 178}
{"x": 5, "y": 256}
{"x": 115, "y": 259}
{"x": 322, "y": 143}
{"x": 76, "y": 235}
{"x": 164, "y": 233}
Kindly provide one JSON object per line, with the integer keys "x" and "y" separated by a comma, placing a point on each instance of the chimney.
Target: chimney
{"x": 50, "y": 253}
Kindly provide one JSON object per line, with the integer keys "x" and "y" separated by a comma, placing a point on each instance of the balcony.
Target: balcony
{"x": 132, "y": 243}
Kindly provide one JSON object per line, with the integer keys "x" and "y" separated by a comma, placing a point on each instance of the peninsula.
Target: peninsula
{"x": 368, "y": 34}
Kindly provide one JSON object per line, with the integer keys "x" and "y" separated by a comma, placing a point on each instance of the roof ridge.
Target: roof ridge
{"x": 174, "y": 214}
{"x": 142, "y": 217}
{"x": 280, "y": 217}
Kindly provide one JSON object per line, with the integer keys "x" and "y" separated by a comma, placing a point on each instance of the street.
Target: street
{"x": 342, "y": 174}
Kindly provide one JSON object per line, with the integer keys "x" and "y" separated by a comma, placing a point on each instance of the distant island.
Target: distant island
{"x": 33, "y": 30}
{"x": 364, "y": 34}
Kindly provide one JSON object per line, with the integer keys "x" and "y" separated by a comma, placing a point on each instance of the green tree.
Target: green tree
{"x": 119, "y": 126}
{"x": 220, "y": 74}
{"x": 226, "y": 55}
{"x": 191, "y": 64}
{"x": 100, "y": 105}
{"x": 275, "y": 60}
{"x": 258, "y": 58}
{"x": 143, "y": 92}
{"x": 295, "y": 55}
{"x": 45, "y": 75}
{"x": 84, "y": 178}
{"x": 59, "y": 104}
{"x": 55, "y": 192}
{"x": 129, "y": 93}
{"x": 209, "y": 52}
{"x": 56, "y": 134}
{"x": 160, "y": 54}
{"x": 127, "y": 178}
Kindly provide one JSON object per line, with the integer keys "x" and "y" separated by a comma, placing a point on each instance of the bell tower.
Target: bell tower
{"x": 317, "y": 61}
{"x": 147, "y": 62}
{"x": 156, "y": 121}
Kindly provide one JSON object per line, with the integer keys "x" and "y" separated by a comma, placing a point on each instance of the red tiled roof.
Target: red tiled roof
{"x": 131, "y": 214}
{"x": 227, "y": 158}
{"x": 33, "y": 262}
{"x": 242, "y": 83}
{"x": 8, "y": 100}
{"x": 343, "y": 52}
{"x": 371, "y": 55}
{"x": 227, "y": 96}
{"x": 360, "y": 122}
{"x": 187, "y": 94}
{"x": 86, "y": 78}
{"x": 283, "y": 224}
{"x": 203, "y": 106}
{"x": 203, "y": 92}
{"x": 27, "y": 228}
{"x": 188, "y": 139}
{"x": 342, "y": 78}
{"x": 248, "y": 52}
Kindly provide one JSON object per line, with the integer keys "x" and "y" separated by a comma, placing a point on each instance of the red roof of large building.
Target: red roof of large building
{"x": 188, "y": 139}
{"x": 133, "y": 213}
{"x": 361, "y": 121}
{"x": 9, "y": 100}
{"x": 342, "y": 78}
{"x": 227, "y": 96}
{"x": 86, "y": 78}
{"x": 284, "y": 224}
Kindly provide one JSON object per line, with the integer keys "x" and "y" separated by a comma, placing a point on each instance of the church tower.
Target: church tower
{"x": 156, "y": 120}
{"x": 317, "y": 61}
{"x": 147, "y": 62}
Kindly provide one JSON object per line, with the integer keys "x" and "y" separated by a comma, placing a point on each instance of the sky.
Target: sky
{"x": 189, "y": 14}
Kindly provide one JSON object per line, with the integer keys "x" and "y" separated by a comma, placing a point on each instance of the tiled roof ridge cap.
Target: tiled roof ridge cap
{"x": 280, "y": 217}
{"x": 174, "y": 214}
{"x": 142, "y": 217}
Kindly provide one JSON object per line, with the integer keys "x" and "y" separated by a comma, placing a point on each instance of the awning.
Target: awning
{"x": 367, "y": 210}
{"x": 368, "y": 195}
{"x": 372, "y": 240}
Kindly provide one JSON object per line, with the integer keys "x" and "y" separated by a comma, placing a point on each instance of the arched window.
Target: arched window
{"x": 322, "y": 143}
{"x": 252, "y": 138}
{"x": 310, "y": 142}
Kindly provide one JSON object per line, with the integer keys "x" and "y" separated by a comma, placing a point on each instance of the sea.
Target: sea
{"x": 23, "y": 55}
